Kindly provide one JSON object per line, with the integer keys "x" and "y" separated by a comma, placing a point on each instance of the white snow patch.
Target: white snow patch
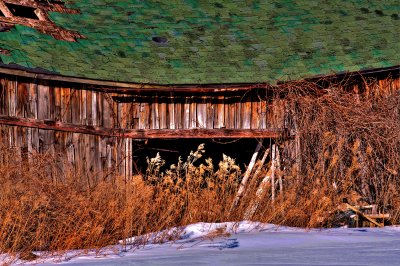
{"x": 238, "y": 243}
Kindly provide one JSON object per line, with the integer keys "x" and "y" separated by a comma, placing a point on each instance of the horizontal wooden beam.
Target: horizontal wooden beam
{"x": 141, "y": 133}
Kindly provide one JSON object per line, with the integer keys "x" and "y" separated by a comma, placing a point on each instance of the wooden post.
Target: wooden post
{"x": 246, "y": 175}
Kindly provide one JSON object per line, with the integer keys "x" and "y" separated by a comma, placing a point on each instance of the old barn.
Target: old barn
{"x": 85, "y": 79}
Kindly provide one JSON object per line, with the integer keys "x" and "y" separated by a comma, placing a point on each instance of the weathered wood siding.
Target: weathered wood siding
{"x": 22, "y": 98}
{"x": 79, "y": 105}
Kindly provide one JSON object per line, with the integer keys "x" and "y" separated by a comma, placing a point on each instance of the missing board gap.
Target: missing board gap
{"x": 22, "y": 11}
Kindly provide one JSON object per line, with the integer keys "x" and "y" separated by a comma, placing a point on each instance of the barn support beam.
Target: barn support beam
{"x": 141, "y": 133}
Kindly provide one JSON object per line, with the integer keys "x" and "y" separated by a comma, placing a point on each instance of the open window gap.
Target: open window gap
{"x": 170, "y": 149}
{"x": 22, "y": 11}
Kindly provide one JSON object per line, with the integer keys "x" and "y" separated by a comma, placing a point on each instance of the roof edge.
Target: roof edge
{"x": 127, "y": 86}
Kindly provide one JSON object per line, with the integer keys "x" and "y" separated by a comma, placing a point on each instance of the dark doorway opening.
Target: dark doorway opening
{"x": 241, "y": 150}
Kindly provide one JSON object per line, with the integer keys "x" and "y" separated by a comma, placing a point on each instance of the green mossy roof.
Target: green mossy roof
{"x": 204, "y": 42}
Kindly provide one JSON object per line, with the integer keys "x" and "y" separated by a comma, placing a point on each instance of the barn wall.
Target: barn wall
{"x": 79, "y": 105}
{"x": 76, "y": 104}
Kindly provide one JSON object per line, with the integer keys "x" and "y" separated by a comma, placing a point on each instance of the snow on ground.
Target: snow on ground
{"x": 248, "y": 243}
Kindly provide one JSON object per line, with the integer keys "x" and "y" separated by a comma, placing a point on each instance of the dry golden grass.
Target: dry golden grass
{"x": 349, "y": 149}
{"x": 46, "y": 205}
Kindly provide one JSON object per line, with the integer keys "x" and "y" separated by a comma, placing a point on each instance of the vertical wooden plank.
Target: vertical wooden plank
{"x": 33, "y": 143}
{"x": 22, "y": 99}
{"x": 220, "y": 113}
{"x": 43, "y": 114}
{"x": 202, "y": 113}
{"x": 210, "y": 106}
{"x": 155, "y": 118}
{"x": 52, "y": 100}
{"x": 263, "y": 114}
{"x": 99, "y": 108}
{"x": 141, "y": 116}
{"x": 123, "y": 115}
{"x": 115, "y": 111}
{"x": 238, "y": 113}
{"x": 12, "y": 98}
{"x": 66, "y": 111}
{"x": 232, "y": 112}
{"x": 57, "y": 103}
{"x": 163, "y": 113}
{"x": 3, "y": 96}
{"x": 43, "y": 102}
{"x": 186, "y": 113}
{"x": 193, "y": 113}
{"x": 147, "y": 115}
{"x": 83, "y": 108}
{"x": 95, "y": 147}
{"x": 255, "y": 112}
{"x": 21, "y": 111}
{"x": 95, "y": 108}
{"x": 107, "y": 112}
{"x": 246, "y": 112}
{"x": 171, "y": 111}
{"x": 227, "y": 112}
{"x": 178, "y": 112}
{"x": 89, "y": 107}
{"x": 135, "y": 115}
{"x": 76, "y": 104}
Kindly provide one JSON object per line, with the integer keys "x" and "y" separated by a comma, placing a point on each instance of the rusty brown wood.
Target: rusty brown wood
{"x": 138, "y": 133}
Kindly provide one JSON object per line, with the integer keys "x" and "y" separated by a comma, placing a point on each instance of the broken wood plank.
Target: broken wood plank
{"x": 379, "y": 216}
{"x": 358, "y": 212}
{"x": 140, "y": 133}
{"x": 246, "y": 176}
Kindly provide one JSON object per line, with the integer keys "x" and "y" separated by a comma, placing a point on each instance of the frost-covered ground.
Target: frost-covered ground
{"x": 255, "y": 244}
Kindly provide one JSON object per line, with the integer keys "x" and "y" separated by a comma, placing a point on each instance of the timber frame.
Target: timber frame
{"x": 95, "y": 123}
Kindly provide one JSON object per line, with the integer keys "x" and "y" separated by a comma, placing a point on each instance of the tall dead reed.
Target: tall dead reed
{"x": 349, "y": 141}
